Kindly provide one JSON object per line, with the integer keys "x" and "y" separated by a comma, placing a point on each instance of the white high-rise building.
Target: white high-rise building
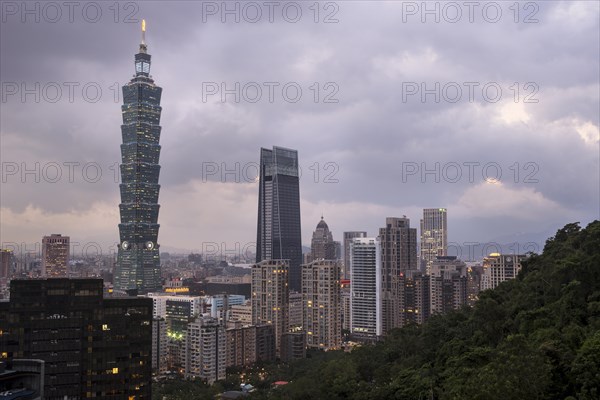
{"x": 498, "y": 268}
{"x": 348, "y": 237}
{"x": 205, "y": 350}
{"x": 295, "y": 311}
{"x": 434, "y": 235}
{"x": 365, "y": 299}
{"x": 270, "y": 296}
{"x": 321, "y": 304}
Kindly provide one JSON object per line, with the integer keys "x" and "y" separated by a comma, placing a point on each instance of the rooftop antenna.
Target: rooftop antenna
{"x": 143, "y": 46}
{"x": 143, "y": 31}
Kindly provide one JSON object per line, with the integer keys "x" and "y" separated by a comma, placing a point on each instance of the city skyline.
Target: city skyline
{"x": 553, "y": 141}
{"x": 483, "y": 127}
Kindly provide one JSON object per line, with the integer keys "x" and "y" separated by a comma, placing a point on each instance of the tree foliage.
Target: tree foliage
{"x": 535, "y": 337}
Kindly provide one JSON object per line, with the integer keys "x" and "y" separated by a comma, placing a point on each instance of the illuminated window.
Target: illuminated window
{"x": 115, "y": 370}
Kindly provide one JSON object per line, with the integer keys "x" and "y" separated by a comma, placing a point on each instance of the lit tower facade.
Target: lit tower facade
{"x": 138, "y": 262}
{"x": 434, "y": 236}
{"x": 55, "y": 256}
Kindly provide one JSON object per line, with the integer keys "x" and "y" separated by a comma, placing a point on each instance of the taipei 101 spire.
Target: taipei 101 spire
{"x": 138, "y": 259}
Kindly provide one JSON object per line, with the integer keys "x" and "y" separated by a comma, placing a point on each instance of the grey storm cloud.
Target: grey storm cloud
{"x": 358, "y": 148}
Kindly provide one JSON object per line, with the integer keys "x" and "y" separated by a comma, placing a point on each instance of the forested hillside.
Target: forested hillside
{"x": 536, "y": 337}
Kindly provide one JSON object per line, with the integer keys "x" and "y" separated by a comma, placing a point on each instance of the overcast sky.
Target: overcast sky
{"x": 492, "y": 111}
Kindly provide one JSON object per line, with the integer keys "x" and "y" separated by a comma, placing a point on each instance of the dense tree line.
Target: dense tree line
{"x": 535, "y": 337}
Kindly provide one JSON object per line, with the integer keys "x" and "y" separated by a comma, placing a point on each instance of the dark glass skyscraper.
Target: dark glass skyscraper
{"x": 92, "y": 345}
{"x": 138, "y": 262}
{"x": 278, "y": 235}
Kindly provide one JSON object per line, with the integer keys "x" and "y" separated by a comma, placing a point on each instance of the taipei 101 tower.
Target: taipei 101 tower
{"x": 138, "y": 259}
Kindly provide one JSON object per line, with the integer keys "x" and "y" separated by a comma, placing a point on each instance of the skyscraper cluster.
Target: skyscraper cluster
{"x": 388, "y": 289}
{"x": 391, "y": 286}
{"x": 94, "y": 344}
{"x": 200, "y": 336}
{"x": 301, "y": 301}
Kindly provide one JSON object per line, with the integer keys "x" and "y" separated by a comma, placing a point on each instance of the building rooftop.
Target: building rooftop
{"x": 322, "y": 224}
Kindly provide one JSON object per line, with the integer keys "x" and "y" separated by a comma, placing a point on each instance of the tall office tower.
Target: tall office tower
{"x": 55, "y": 256}
{"x": 6, "y": 262}
{"x": 321, "y": 299}
{"x": 138, "y": 262}
{"x": 90, "y": 344}
{"x": 278, "y": 230}
{"x": 414, "y": 297}
{"x": 398, "y": 255}
{"x": 434, "y": 236}
{"x": 322, "y": 244}
{"x": 270, "y": 296}
{"x": 448, "y": 283}
{"x": 365, "y": 258}
{"x": 498, "y": 268}
{"x": 348, "y": 237}
{"x": 206, "y": 351}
